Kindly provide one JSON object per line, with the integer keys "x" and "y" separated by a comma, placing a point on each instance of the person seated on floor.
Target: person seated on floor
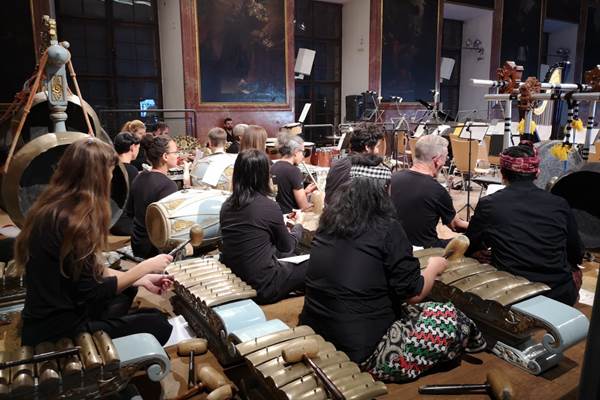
{"x": 420, "y": 200}
{"x": 151, "y": 186}
{"x": 238, "y": 132}
{"x": 291, "y": 193}
{"x": 217, "y": 138}
{"x": 138, "y": 129}
{"x": 361, "y": 274}
{"x": 254, "y": 234}
{"x": 528, "y": 231}
{"x": 69, "y": 289}
{"x": 127, "y": 146}
{"x": 363, "y": 141}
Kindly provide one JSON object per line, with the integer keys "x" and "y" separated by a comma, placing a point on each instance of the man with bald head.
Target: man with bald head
{"x": 420, "y": 200}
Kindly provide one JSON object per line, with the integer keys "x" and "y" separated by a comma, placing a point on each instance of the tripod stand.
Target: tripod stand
{"x": 468, "y": 206}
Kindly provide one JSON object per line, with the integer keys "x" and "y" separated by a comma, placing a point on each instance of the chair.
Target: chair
{"x": 595, "y": 157}
{"x": 402, "y": 152}
{"x": 412, "y": 142}
{"x": 460, "y": 152}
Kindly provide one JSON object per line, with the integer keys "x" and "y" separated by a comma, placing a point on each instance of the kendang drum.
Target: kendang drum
{"x": 576, "y": 188}
{"x": 323, "y": 156}
{"x": 169, "y": 220}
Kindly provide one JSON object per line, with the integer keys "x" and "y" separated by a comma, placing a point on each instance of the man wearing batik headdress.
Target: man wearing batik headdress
{"x": 528, "y": 231}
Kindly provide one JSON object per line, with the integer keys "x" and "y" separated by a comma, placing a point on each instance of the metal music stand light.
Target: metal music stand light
{"x": 471, "y": 132}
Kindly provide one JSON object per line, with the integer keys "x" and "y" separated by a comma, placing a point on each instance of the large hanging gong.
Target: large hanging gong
{"x": 577, "y": 188}
{"x": 32, "y": 167}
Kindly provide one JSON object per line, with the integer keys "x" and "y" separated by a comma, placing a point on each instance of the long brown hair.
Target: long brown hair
{"x": 255, "y": 137}
{"x": 76, "y": 205}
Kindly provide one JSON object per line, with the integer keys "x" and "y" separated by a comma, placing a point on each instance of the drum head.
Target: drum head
{"x": 577, "y": 188}
{"x": 158, "y": 226}
{"x": 33, "y": 166}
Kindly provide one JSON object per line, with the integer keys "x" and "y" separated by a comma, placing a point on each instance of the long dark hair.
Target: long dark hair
{"x": 76, "y": 204}
{"x": 251, "y": 174}
{"x": 358, "y": 205}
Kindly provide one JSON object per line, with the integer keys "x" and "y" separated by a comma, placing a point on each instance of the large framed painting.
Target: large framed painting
{"x": 242, "y": 55}
{"x": 409, "y": 48}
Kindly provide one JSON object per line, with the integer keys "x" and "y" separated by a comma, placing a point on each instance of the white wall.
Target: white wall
{"x": 171, "y": 62}
{"x": 471, "y": 97}
{"x": 355, "y": 49}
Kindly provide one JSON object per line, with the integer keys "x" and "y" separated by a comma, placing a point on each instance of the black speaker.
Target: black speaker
{"x": 354, "y": 108}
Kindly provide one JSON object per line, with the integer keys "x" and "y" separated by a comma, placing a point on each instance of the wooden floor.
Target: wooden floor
{"x": 558, "y": 383}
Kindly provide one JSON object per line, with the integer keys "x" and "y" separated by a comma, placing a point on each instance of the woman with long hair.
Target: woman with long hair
{"x": 361, "y": 274}
{"x": 254, "y": 234}
{"x": 69, "y": 289}
{"x": 151, "y": 186}
{"x": 255, "y": 137}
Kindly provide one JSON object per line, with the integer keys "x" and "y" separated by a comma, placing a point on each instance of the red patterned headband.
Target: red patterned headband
{"x": 524, "y": 165}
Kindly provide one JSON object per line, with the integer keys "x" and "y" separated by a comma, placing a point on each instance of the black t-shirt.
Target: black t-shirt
{"x": 354, "y": 287}
{"x": 288, "y": 178}
{"x": 252, "y": 238}
{"x": 420, "y": 202}
{"x": 230, "y": 137}
{"x": 233, "y": 148}
{"x": 531, "y": 233}
{"x": 124, "y": 226}
{"x": 55, "y": 305}
{"x": 339, "y": 173}
{"x": 147, "y": 187}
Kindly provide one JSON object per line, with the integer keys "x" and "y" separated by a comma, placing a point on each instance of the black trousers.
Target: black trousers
{"x": 114, "y": 319}
{"x": 290, "y": 279}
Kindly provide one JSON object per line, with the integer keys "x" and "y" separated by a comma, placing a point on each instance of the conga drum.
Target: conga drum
{"x": 169, "y": 220}
{"x": 576, "y": 188}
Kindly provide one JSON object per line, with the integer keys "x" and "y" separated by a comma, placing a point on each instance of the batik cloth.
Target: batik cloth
{"x": 426, "y": 335}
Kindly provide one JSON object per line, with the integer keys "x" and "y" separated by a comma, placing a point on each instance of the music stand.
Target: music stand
{"x": 471, "y": 132}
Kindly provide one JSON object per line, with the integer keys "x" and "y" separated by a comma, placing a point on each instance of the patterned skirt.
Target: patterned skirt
{"x": 427, "y": 334}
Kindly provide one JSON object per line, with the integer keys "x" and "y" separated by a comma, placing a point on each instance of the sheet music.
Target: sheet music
{"x": 304, "y": 113}
{"x": 215, "y": 170}
{"x": 475, "y": 132}
{"x": 296, "y": 259}
{"x": 341, "y": 141}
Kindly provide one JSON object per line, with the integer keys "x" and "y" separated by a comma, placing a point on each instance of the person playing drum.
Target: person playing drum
{"x": 69, "y": 288}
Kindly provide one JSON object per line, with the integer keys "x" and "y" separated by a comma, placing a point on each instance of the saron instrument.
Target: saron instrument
{"x": 94, "y": 366}
{"x": 509, "y": 309}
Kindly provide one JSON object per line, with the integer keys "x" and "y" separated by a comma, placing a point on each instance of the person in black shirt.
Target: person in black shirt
{"x": 420, "y": 200}
{"x": 138, "y": 129}
{"x": 228, "y": 127}
{"x": 362, "y": 271}
{"x": 127, "y": 146}
{"x": 363, "y": 141}
{"x": 529, "y": 232}
{"x": 291, "y": 193}
{"x": 151, "y": 186}
{"x": 254, "y": 234}
{"x": 238, "y": 132}
{"x": 69, "y": 290}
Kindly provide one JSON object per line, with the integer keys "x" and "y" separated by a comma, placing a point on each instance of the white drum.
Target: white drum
{"x": 168, "y": 220}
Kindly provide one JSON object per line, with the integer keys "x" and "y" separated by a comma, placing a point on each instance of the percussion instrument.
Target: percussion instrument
{"x": 215, "y": 303}
{"x": 551, "y": 167}
{"x": 12, "y": 290}
{"x": 273, "y": 151}
{"x": 93, "y": 366}
{"x": 279, "y": 379}
{"x": 190, "y": 348}
{"x": 510, "y": 309}
{"x": 323, "y": 156}
{"x": 575, "y": 188}
{"x": 169, "y": 220}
